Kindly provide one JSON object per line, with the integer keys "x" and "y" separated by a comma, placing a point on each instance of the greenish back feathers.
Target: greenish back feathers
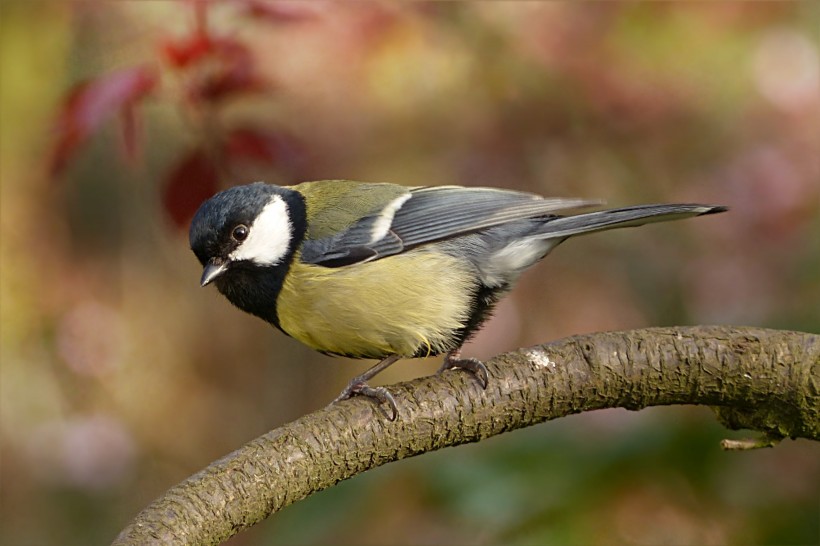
{"x": 335, "y": 205}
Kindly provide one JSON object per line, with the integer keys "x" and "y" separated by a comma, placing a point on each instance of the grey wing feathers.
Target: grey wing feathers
{"x": 623, "y": 217}
{"x": 430, "y": 214}
{"x": 440, "y": 212}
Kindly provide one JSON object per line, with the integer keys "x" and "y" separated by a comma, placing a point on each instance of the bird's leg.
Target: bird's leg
{"x": 358, "y": 385}
{"x": 473, "y": 365}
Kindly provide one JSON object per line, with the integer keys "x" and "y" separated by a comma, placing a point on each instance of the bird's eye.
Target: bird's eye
{"x": 240, "y": 233}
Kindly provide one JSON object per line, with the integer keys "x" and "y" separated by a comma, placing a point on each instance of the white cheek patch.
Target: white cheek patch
{"x": 382, "y": 225}
{"x": 268, "y": 237}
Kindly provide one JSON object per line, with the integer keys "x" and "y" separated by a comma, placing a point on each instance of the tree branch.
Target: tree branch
{"x": 766, "y": 380}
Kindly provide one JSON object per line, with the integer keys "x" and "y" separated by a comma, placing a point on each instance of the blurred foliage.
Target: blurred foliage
{"x": 121, "y": 377}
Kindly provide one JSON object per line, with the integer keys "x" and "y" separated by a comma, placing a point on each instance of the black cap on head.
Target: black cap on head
{"x": 208, "y": 235}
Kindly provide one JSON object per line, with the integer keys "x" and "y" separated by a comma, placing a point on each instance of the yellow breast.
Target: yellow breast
{"x": 397, "y": 305}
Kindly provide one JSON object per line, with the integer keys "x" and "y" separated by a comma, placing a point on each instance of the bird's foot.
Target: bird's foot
{"x": 358, "y": 387}
{"x": 473, "y": 365}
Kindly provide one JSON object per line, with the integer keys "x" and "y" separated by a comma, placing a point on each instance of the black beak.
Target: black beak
{"x": 213, "y": 269}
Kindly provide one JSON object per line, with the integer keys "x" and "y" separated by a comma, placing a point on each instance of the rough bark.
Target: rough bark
{"x": 765, "y": 380}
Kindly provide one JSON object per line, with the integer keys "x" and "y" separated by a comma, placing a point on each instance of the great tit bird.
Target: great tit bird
{"x": 383, "y": 271}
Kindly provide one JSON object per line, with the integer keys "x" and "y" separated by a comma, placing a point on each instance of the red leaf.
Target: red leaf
{"x": 90, "y": 103}
{"x": 265, "y": 147}
{"x": 247, "y": 143}
{"x": 182, "y": 52}
{"x": 223, "y": 82}
{"x": 218, "y": 66}
{"x": 192, "y": 180}
{"x": 234, "y": 72}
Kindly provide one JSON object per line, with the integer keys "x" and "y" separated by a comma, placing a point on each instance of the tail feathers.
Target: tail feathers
{"x": 625, "y": 217}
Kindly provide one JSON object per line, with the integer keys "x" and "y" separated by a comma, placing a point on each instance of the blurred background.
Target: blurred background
{"x": 121, "y": 376}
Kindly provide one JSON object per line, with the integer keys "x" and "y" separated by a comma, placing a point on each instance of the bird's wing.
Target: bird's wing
{"x": 427, "y": 214}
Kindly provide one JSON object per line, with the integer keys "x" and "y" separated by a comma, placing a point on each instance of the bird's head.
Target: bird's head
{"x": 247, "y": 228}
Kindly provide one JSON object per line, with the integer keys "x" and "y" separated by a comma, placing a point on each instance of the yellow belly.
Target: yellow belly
{"x": 397, "y": 305}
